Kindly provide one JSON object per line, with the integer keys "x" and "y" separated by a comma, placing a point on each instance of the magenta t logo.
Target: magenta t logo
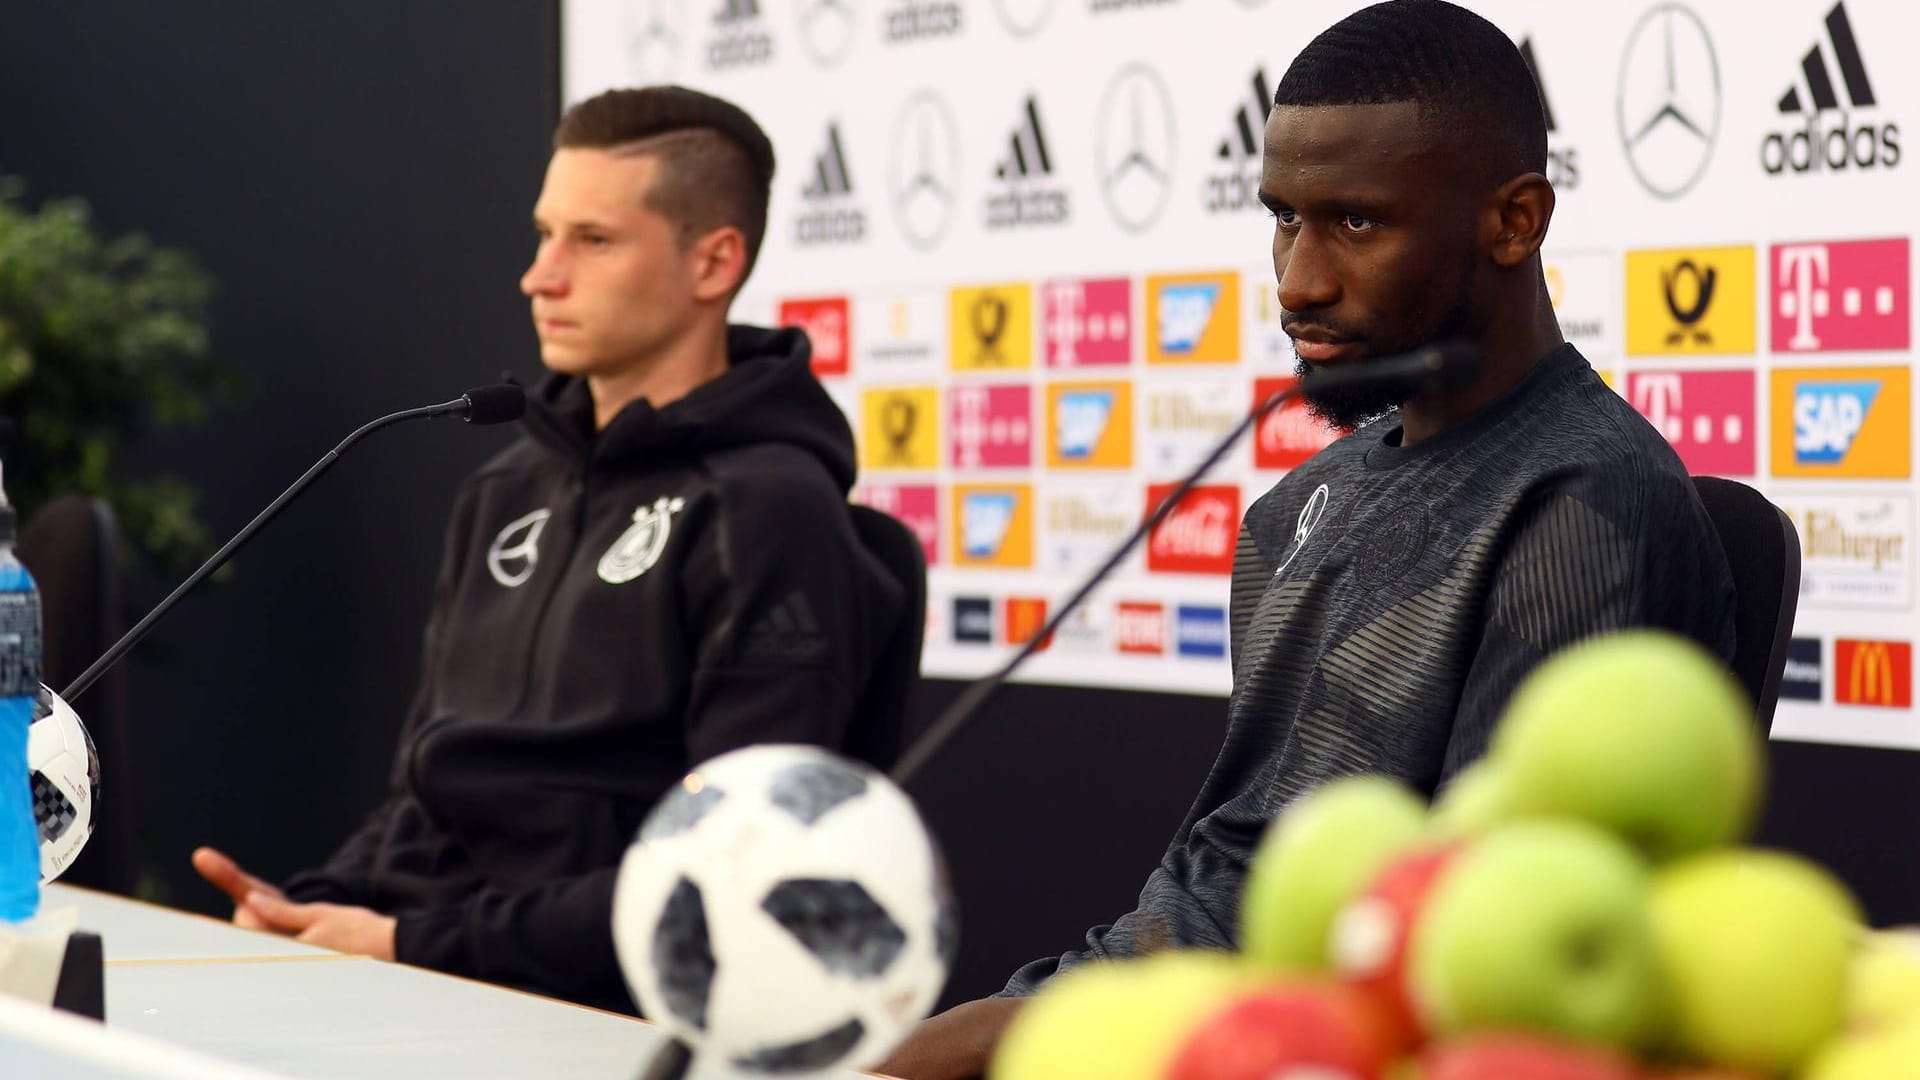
{"x": 1840, "y": 296}
{"x": 1708, "y": 416}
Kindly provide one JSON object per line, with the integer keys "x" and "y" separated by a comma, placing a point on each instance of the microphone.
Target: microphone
{"x": 1437, "y": 367}
{"x": 481, "y": 405}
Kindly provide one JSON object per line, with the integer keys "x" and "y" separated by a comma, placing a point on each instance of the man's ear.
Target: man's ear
{"x": 719, "y": 262}
{"x": 1521, "y": 211}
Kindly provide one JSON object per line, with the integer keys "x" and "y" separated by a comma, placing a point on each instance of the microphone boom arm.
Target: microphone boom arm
{"x": 460, "y": 406}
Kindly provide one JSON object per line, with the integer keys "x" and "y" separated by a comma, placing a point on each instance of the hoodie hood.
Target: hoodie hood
{"x": 768, "y": 394}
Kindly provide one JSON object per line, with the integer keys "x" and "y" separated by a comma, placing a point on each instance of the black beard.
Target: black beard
{"x": 1350, "y": 406}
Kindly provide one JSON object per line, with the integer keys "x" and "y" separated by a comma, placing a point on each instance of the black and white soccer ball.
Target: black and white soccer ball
{"x": 785, "y": 910}
{"x": 65, "y": 773}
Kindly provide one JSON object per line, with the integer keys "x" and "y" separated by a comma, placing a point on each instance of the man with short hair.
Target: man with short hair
{"x": 661, "y": 570}
{"x": 1390, "y": 594}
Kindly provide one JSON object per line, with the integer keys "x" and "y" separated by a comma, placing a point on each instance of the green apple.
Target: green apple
{"x": 1474, "y": 801}
{"x": 1318, "y": 854}
{"x": 1118, "y": 1019}
{"x": 1754, "y": 949}
{"x": 1641, "y": 732}
{"x": 1540, "y": 926}
{"x": 1883, "y": 982}
{"x": 1887, "y": 1054}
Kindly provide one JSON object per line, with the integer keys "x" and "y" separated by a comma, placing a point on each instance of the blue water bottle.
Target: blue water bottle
{"x": 19, "y": 686}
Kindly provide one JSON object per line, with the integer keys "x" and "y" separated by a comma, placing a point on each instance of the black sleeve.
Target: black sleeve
{"x": 1591, "y": 554}
{"x": 398, "y": 820}
{"x": 785, "y": 611}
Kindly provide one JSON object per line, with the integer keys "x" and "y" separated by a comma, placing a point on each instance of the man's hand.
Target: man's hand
{"x": 356, "y": 930}
{"x": 955, "y": 1045}
{"x": 227, "y": 876}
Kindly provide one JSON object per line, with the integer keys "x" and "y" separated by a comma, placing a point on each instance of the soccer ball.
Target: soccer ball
{"x": 65, "y": 773}
{"x": 785, "y": 909}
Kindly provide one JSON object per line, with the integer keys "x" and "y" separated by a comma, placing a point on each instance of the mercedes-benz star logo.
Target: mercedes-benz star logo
{"x": 923, "y": 169}
{"x": 1134, "y": 147}
{"x": 1023, "y": 18}
{"x": 653, "y": 39}
{"x": 827, "y": 29}
{"x": 1668, "y": 105}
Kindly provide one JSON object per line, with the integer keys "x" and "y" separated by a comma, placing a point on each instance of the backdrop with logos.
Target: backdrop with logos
{"x": 1023, "y": 237}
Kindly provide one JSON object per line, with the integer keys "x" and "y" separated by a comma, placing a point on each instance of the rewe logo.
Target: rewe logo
{"x": 1708, "y": 416}
{"x": 1827, "y": 417}
{"x": 1087, "y": 323}
{"x": 740, "y": 37}
{"x": 1829, "y": 140}
{"x": 829, "y": 216}
{"x": 1198, "y": 536}
{"x": 1840, "y": 296}
{"x": 1027, "y": 169}
{"x": 1234, "y": 184}
{"x": 1563, "y": 161}
{"x": 825, "y": 321}
{"x": 1142, "y": 629}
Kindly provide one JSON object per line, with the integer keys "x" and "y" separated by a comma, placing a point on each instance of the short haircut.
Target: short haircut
{"x": 716, "y": 165}
{"x": 1466, "y": 76}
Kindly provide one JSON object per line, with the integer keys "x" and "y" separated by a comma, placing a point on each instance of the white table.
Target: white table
{"x": 296, "y": 1012}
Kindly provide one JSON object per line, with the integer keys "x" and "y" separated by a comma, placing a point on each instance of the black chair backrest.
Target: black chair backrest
{"x": 72, "y": 547}
{"x": 879, "y": 724}
{"x": 1763, "y": 551}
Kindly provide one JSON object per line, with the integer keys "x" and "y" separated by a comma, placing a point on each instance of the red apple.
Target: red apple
{"x": 1324, "y": 1030}
{"x": 1371, "y": 935}
{"x": 1513, "y": 1056}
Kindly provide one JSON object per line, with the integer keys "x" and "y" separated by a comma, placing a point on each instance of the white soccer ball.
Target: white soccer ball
{"x": 65, "y": 773}
{"x": 785, "y": 910}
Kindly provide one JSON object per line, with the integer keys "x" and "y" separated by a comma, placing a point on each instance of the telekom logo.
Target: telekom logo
{"x": 992, "y": 427}
{"x": 1198, "y": 536}
{"x": 916, "y": 505}
{"x": 1708, "y": 416}
{"x": 1840, "y": 296}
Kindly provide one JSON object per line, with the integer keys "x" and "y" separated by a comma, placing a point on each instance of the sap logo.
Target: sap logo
{"x": 1082, "y": 420}
{"x": 1185, "y": 311}
{"x": 985, "y": 517}
{"x": 1202, "y": 631}
{"x": 1826, "y": 419}
{"x": 973, "y": 620}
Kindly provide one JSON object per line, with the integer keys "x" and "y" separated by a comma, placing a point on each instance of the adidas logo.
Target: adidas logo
{"x": 1028, "y": 164}
{"x": 788, "y": 631}
{"x": 830, "y": 170}
{"x": 1829, "y": 140}
{"x": 1236, "y": 186}
{"x": 1563, "y": 163}
{"x": 829, "y": 219}
{"x": 1249, "y": 123}
{"x": 740, "y": 38}
{"x": 914, "y": 20}
{"x": 1027, "y": 153}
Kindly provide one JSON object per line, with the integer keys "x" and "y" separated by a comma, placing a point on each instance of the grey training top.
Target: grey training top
{"x": 1387, "y": 600}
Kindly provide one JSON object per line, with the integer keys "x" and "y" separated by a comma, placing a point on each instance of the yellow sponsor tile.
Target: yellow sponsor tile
{"x": 900, "y": 428}
{"x": 1843, "y": 422}
{"x": 993, "y": 526}
{"x": 1090, "y": 425}
{"x": 1692, "y": 301}
{"x": 990, "y": 327}
{"x": 1193, "y": 318}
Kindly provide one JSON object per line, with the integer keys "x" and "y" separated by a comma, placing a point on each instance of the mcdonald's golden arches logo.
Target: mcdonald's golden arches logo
{"x": 1873, "y": 673}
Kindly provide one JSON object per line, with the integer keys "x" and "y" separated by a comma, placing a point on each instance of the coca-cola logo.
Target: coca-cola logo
{"x": 1197, "y": 537}
{"x": 1288, "y": 435}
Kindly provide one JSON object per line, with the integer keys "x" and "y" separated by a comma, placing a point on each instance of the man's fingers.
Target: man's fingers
{"x": 282, "y": 915}
{"x": 225, "y": 874}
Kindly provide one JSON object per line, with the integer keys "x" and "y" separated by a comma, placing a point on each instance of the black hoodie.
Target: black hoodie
{"x": 612, "y": 609}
